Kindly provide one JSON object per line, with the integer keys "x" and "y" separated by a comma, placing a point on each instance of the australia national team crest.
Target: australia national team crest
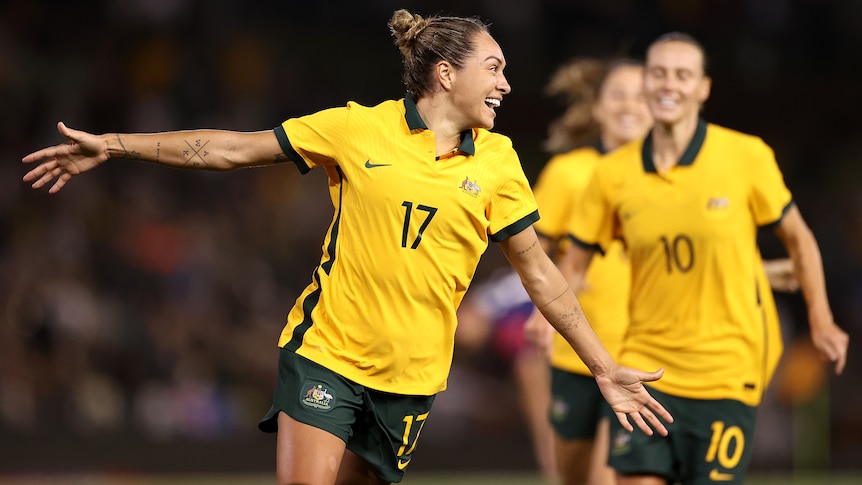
{"x": 318, "y": 397}
{"x": 717, "y": 204}
{"x": 622, "y": 443}
{"x": 470, "y": 187}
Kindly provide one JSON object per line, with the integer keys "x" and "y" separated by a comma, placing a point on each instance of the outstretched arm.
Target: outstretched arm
{"x": 197, "y": 149}
{"x": 621, "y": 386}
{"x": 829, "y": 339}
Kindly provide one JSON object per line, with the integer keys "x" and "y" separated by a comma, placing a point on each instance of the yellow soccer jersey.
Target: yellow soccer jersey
{"x": 605, "y": 300}
{"x": 691, "y": 235}
{"x": 406, "y": 235}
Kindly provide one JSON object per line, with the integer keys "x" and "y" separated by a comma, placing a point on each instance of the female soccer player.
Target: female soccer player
{"x": 419, "y": 186}
{"x": 687, "y": 202}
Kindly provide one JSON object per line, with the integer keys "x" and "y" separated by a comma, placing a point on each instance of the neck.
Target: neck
{"x": 447, "y": 132}
{"x": 670, "y": 140}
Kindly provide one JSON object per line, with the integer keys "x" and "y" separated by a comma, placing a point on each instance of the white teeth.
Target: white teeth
{"x": 492, "y": 102}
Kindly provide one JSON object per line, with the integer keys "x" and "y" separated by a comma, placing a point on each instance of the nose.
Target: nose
{"x": 503, "y": 85}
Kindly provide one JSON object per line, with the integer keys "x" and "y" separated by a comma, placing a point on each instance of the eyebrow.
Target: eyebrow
{"x": 501, "y": 61}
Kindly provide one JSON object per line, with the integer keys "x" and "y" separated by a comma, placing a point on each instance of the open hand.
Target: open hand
{"x": 83, "y": 151}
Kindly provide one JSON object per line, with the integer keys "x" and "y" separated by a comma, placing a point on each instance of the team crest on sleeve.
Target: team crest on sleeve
{"x": 470, "y": 187}
{"x": 318, "y": 397}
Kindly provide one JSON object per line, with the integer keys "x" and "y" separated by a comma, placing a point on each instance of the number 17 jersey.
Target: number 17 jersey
{"x": 407, "y": 233}
{"x": 697, "y": 277}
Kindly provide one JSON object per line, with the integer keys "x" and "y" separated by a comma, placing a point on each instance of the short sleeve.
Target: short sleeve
{"x": 512, "y": 207}
{"x": 769, "y": 197}
{"x": 313, "y": 139}
{"x": 591, "y": 223}
{"x": 556, "y": 190}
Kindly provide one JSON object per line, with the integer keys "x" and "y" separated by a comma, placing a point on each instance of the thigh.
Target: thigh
{"x": 305, "y": 454}
{"x": 388, "y": 430}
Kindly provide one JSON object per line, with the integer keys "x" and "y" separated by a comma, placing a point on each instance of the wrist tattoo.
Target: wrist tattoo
{"x": 133, "y": 155}
{"x": 158, "y": 151}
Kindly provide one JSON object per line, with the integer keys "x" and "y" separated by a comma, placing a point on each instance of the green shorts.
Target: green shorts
{"x": 709, "y": 441}
{"x": 577, "y": 405}
{"x": 380, "y": 427}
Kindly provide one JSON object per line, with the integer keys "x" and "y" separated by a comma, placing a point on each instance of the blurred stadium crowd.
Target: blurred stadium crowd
{"x": 145, "y": 301}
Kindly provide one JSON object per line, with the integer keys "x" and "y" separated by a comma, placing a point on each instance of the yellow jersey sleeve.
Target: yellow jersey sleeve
{"x": 314, "y": 139}
{"x": 559, "y": 186}
{"x": 770, "y": 197}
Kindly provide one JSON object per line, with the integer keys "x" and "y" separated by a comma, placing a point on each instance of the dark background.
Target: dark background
{"x": 140, "y": 306}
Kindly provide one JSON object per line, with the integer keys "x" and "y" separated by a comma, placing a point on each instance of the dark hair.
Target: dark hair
{"x": 580, "y": 82}
{"x": 425, "y": 41}
{"x": 684, "y": 38}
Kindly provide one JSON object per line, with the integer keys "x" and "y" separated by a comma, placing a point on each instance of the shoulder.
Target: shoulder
{"x": 623, "y": 158}
{"x": 746, "y": 142}
{"x": 492, "y": 141}
{"x": 388, "y": 106}
{"x": 571, "y": 166}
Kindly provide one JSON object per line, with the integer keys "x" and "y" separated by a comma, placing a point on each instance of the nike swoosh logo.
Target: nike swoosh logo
{"x": 717, "y": 476}
{"x": 403, "y": 464}
{"x": 368, "y": 164}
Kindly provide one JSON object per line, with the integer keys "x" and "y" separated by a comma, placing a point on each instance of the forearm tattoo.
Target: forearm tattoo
{"x": 158, "y": 151}
{"x": 568, "y": 320}
{"x": 133, "y": 155}
{"x": 196, "y": 154}
{"x": 279, "y": 157}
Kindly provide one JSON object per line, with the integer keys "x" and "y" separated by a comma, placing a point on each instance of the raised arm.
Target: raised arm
{"x": 195, "y": 149}
{"x": 829, "y": 339}
{"x": 621, "y": 386}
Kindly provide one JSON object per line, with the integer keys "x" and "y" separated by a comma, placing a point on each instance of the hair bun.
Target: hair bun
{"x": 405, "y": 28}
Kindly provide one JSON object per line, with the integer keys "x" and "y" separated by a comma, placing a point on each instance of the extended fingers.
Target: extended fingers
{"x": 61, "y": 181}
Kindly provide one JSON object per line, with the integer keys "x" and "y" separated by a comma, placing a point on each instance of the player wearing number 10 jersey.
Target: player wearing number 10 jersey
{"x": 687, "y": 202}
{"x": 691, "y": 237}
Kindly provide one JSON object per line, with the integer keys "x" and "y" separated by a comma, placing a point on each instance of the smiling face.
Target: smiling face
{"x": 675, "y": 83}
{"x": 479, "y": 85}
{"x": 621, "y": 109}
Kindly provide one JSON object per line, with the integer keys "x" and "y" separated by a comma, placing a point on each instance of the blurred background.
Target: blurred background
{"x": 140, "y": 307}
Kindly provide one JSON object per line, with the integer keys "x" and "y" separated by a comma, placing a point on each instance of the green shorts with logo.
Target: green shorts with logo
{"x": 577, "y": 405}
{"x": 380, "y": 427}
{"x": 710, "y": 441}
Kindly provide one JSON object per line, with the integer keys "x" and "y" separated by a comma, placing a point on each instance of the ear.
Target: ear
{"x": 445, "y": 73}
{"x": 705, "y": 88}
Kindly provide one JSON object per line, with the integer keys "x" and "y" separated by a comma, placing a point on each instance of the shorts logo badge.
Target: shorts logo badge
{"x": 318, "y": 397}
{"x": 559, "y": 410}
{"x": 622, "y": 443}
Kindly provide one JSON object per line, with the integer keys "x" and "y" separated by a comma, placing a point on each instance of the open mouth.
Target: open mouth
{"x": 492, "y": 103}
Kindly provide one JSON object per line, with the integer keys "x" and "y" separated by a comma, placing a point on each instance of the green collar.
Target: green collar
{"x": 599, "y": 147}
{"x": 415, "y": 122}
{"x": 687, "y": 157}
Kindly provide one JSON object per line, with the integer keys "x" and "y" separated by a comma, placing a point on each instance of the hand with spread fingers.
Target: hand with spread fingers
{"x": 623, "y": 388}
{"x": 82, "y": 152}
